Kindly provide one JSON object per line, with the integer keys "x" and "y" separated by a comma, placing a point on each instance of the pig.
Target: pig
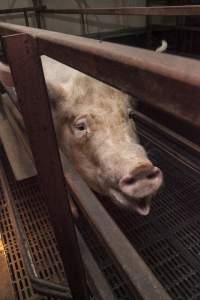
{"x": 95, "y": 128}
{"x": 95, "y": 125}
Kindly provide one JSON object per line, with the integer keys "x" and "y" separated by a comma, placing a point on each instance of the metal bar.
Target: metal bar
{"x": 37, "y": 13}
{"x": 148, "y": 28}
{"x": 83, "y": 24}
{"x": 25, "y": 64}
{"x": 26, "y": 18}
{"x": 145, "y": 74}
{"x": 184, "y": 10}
{"x": 100, "y": 287}
{"x": 17, "y": 10}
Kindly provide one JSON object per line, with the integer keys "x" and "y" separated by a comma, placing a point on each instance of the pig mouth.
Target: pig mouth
{"x": 142, "y": 206}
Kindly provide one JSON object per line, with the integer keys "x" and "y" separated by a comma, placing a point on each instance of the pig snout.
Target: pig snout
{"x": 142, "y": 182}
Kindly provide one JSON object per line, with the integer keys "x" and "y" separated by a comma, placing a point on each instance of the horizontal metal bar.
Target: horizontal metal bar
{"x": 21, "y": 9}
{"x": 185, "y": 10}
{"x": 167, "y": 82}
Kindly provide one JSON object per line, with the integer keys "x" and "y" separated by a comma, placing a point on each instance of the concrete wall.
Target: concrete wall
{"x": 71, "y": 23}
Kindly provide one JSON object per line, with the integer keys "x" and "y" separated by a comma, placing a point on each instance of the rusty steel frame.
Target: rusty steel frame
{"x": 139, "y": 67}
{"x": 181, "y": 10}
{"x": 146, "y": 74}
{"x": 105, "y": 236}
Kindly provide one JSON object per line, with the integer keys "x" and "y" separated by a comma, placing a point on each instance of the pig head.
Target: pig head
{"x": 95, "y": 125}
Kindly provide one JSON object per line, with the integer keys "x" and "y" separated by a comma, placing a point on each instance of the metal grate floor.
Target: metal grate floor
{"x": 33, "y": 215}
{"x": 168, "y": 239}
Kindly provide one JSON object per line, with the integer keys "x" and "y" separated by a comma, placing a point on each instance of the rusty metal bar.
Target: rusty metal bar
{"x": 146, "y": 74}
{"x": 185, "y": 10}
{"x": 148, "y": 28}
{"x": 83, "y": 31}
{"x": 26, "y": 18}
{"x": 29, "y": 82}
{"x": 17, "y": 10}
{"x": 37, "y": 12}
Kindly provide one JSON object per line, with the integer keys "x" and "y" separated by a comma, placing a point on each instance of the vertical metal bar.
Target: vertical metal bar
{"x": 25, "y": 63}
{"x": 37, "y": 13}
{"x": 148, "y": 28}
{"x": 82, "y": 24}
{"x": 26, "y": 18}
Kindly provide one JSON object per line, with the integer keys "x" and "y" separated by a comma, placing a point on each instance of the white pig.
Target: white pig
{"x": 95, "y": 126}
{"x": 94, "y": 123}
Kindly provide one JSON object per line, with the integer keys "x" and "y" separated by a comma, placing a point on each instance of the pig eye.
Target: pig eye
{"x": 131, "y": 114}
{"x": 81, "y": 126}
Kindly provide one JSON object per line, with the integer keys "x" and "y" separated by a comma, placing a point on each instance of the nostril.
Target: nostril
{"x": 153, "y": 174}
{"x": 129, "y": 181}
{"x": 150, "y": 175}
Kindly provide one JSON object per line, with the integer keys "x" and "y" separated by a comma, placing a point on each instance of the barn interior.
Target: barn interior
{"x": 107, "y": 252}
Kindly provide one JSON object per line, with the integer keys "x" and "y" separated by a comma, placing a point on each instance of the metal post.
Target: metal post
{"x": 37, "y": 13}
{"x": 82, "y": 24}
{"x": 26, "y": 18}
{"x": 22, "y": 54}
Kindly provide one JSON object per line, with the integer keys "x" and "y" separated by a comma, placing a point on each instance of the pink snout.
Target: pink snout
{"x": 142, "y": 182}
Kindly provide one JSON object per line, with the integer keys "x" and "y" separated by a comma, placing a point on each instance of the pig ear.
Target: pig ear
{"x": 56, "y": 93}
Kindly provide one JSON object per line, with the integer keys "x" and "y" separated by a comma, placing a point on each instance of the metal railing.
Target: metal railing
{"x": 180, "y": 10}
{"x": 159, "y": 79}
